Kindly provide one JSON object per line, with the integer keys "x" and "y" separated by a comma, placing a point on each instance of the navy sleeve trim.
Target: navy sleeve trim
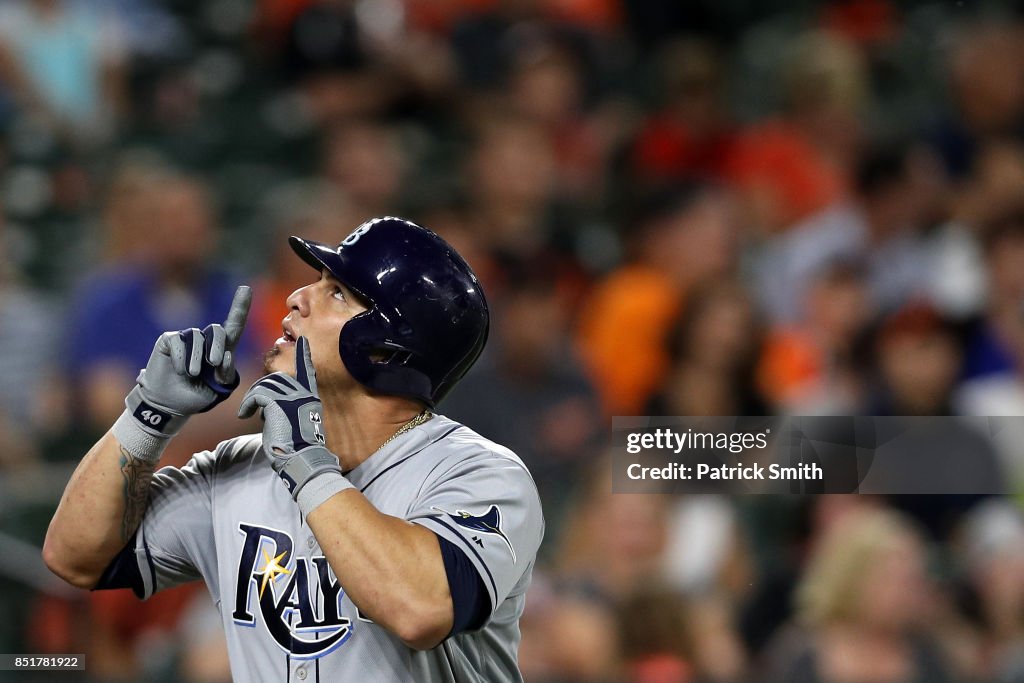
{"x": 462, "y": 539}
{"x": 123, "y": 572}
{"x": 470, "y": 601}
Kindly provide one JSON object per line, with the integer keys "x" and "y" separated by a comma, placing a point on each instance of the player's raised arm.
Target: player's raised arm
{"x": 189, "y": 372}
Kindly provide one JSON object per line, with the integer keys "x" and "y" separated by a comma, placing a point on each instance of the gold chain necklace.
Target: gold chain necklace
{"x": 411, "y": 424}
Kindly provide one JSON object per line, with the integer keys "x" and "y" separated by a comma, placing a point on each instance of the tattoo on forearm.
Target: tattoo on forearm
{"x": 137, "y": 476}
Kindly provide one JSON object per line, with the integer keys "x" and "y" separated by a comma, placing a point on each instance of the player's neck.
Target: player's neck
{"x": 357, "y": 426}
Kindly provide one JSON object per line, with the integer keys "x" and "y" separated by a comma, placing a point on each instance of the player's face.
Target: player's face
{"x": 317, "y": 312}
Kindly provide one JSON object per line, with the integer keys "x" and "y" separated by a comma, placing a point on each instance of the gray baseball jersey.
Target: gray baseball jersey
{"x": 226, "y": 518}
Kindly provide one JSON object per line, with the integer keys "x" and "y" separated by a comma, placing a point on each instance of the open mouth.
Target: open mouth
{"x": 285, "y": 338}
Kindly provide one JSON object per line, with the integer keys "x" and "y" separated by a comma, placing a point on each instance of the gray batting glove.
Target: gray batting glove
{"x": 293, "y": 434}
{"x": 189, "y": 371}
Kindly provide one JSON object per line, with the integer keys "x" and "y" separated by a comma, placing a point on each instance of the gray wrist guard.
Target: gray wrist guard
{"x": 316, "y": 492}
{"x": 312, "y": 475}
{"x": 143, "y": 429}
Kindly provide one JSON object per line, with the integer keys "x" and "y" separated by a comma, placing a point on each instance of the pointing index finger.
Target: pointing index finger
{"x": 235, "y": 322}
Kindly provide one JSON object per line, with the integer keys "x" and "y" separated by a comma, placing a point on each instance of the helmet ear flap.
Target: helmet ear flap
{"x": 389, "y": 367}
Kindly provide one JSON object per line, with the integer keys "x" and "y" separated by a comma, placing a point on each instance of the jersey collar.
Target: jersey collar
{"x": 399, "y": 449}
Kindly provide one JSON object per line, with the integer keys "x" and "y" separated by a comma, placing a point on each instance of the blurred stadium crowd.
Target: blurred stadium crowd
{"x": 710, "y": 207}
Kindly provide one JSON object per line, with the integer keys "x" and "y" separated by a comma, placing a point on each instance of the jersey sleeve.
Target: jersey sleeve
{"x": 488, "y": 508}
{"x": 174, "y": 543}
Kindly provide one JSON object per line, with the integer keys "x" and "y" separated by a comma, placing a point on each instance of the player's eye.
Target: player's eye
{"x": 337, "y": 293}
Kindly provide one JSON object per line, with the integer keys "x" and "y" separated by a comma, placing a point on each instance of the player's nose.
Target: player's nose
{"x": 299, "y": 301}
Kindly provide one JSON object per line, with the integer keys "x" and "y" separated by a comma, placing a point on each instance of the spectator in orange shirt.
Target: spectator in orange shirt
{"x": 810, "y": 367}
{"x": 685, "y": 239}
{"x": 689, "y": 136}
{"x": 796, "y": 164}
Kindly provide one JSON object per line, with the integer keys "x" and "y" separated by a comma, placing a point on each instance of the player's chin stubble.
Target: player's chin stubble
{"x": 273, "y": 359}
{"x": 268, "y": 360}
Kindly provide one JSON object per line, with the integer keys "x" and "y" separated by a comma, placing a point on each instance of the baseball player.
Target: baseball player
{"x": 361, "y": 536}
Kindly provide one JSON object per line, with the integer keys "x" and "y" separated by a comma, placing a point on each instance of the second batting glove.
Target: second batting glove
{"x": 293, "y": 432}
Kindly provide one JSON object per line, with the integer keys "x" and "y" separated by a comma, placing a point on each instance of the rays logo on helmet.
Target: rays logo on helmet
{"x": 487, "y": 523}
{"x": 359, "y": 232}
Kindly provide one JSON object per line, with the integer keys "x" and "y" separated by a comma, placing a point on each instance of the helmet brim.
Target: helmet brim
{"x": 316, "y": 254}
{"x": 321, "y": 256}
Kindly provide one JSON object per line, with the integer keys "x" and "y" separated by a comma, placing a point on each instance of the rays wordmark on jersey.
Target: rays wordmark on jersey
{"x": 308, "y": 624}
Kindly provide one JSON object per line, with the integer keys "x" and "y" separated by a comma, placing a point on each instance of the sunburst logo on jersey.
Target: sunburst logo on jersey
{"x": 272, "y": 569}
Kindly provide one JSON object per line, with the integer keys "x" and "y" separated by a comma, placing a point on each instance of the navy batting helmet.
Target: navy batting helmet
{"x": 427, "y": 320}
